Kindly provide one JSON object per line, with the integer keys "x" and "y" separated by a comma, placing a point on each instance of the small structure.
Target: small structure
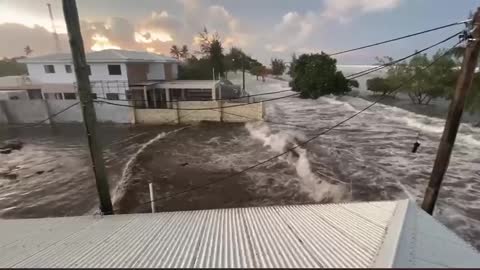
{"x": 18, "y": 88}
{"x": 164, "y": 94}
{"x": 377, "y": 234}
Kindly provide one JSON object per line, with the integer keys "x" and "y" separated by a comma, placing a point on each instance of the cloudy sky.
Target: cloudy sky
{"x": 263, "y": 28}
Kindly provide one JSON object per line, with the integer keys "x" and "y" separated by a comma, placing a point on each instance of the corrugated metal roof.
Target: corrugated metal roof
{"x": 381, "y": 234}
{"x": 104, "y": 56}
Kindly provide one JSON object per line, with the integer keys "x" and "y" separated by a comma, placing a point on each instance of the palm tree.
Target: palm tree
{"x": 175, "y": 52}
{"x": 27, "y": 50}
{"x": 184, "y": 52}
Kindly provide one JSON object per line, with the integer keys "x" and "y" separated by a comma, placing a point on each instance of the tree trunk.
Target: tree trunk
{"x": 428, "y": 100}
{"x": 412, "y": 98}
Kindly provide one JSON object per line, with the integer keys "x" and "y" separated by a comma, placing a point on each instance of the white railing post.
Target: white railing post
{"x": 152, "y": 202}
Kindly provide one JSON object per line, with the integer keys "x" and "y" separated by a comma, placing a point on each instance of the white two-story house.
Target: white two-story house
{"x": 112, "y": 73}
{"x": 146, "y": 79}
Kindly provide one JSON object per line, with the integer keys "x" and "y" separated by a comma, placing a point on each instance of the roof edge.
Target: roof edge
{"x": 388, "y": 251}
{"x": 70, "y": 61}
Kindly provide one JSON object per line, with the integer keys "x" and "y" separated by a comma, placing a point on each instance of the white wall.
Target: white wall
{"x": 8, "y": 95}
{"x": 34, "y": 111}
{"x": 38, "y": 76}
{"x": 99, "y": 73}
{"x": 156, "y": 71}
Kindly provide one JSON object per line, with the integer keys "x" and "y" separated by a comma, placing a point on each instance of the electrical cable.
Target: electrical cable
{"x": 304, "y": 142}
{"x": 218, "y": 99}
{"x": 199, "y": 109}
{"x": 377, "y": 68}
{"x": 399, "y": 38}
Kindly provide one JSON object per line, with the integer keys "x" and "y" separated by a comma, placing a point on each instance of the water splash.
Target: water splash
{"x": 318, "y": 189}
{"x": 127, "y": 170}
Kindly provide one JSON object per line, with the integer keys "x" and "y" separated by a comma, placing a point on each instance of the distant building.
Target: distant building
{"x": 112, "y": 72}
{"x": 147, "y": 79}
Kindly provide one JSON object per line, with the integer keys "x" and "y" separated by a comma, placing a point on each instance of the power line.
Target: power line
{"x": 200, "y": 109}
{"x": 304, "y": 142}
{"x": 399, "y": 38}
{"x": 370, "y": 70}
{"x": 218, "y": 99}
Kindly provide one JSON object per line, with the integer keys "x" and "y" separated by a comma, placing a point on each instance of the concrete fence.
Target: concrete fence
{"x": 220, "y": 112}
{"x": 33, "y": 111}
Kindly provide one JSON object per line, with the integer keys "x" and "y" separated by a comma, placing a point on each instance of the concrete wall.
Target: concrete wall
{"x": 188, "y": 116}
{"x": 25, "y": 111}
{"x": 156, "y": 116}
{"x": 8, "y": 95}
{"x": 245, "y": 113}
{"x": 72, "y": 115}
{"x": 115, "y": 114}
{"x": 99, "y": 73}
{"x": 249, "y": 112}
{"x": 33, "y": 111}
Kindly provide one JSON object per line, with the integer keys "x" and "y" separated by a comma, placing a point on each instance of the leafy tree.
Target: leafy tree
{"x": 184, "y": 53}
{"x": 27, "y": 50}
{"x": 10, "y": 67}
{"x": 472, "y": 103}
{"x": 195, "y": 69}
{"x": 236, "y": 57}
{"x": 353, "y": 83}
{"x": 278, "y": 66}
{"x": 423, "y": 84}
{"x": 291, "y": 70}
{"x": 316, "y": 75}
{"x": 211, "y": 48}
{"x": 258, "y": 70}
{"x": 175, "y": 51}
{"x": 216, "y": 57}
{"x": 378, "y": 85}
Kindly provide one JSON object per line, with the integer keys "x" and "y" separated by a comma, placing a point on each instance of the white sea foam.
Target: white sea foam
{"x": 317, "y": 188}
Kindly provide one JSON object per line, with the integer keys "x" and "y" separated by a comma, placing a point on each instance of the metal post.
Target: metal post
{"x": 145, "y": 96}
{"x": 220, "y": 90}
{"x": 154, "y": 92}
{"x": 152, "y": 201}
{"x": 243, "y": 73}
{"x": 167, "y": 97}
{"x": 88, "y": 110}
{"x": 454, "y": 116}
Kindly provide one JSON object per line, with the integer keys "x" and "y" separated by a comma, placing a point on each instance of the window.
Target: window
{"x": 69, "y": 95}
{"x": 49, "y": 68}
{"x": 89, "y": 70}
{"x": 14, "y": 98}
{"x": 68, "y": 68}
{"x": 112, "y": 96}
{"x": 114, "y": 70}
{"x": 34, "y": 94}
{"x": 58, "y": 95}
{"x": 94, "y": 95}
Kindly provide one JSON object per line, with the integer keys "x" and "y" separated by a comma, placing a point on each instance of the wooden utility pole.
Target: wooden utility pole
{"x": 88, "y": 110}
{"x": 455, "y": 111}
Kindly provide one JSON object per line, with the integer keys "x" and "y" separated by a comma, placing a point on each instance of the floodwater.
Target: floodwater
{"x": 368, "y": 158}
